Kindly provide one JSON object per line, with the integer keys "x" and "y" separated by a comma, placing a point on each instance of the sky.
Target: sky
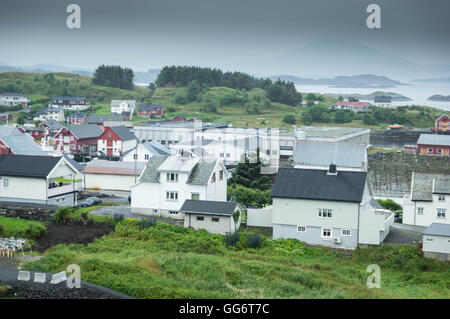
{"x": 306, "y": 38}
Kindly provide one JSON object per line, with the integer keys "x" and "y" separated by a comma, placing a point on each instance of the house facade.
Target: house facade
{"x": 436, "y": 241}
{"x": 433, "y": 144}
{"x": 354, "y": 106}
{"x": 71, "y": 103}
{"x": 38, "y": 179}
{"x": 143, "y": 152}
{"x": 429, "y": 200}
{"x": 121, "y": 106}
{"x": 80, "y": 139}
{"x": 327, "y": 208}
{"x": 76, "y": 118}
{"x": 383, "y": 101}
{"x": 172, "y": 179}
{"x": 151, "y": 110}
{"x": 442, "y": 124}
{"x": 115, "y": 141}
{"x": 56, "y": 114}
{"x": 12, "y": 99}
{"x": 19, "y": 144}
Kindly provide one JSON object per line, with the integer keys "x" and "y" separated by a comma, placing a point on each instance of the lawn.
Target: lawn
{"x": 13, "y": 227}
{"x": 165, "y": 261}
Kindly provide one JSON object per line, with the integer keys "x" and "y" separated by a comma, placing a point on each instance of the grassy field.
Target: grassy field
{"x": 13, "y": 227}
{"x": 164, "y": 261}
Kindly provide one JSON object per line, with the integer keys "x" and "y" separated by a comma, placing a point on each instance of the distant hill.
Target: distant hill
{"x": 435, "y": 80}
{"x": 354, "y": 81}
{"x": 395, "y": 96}
{"x": 440, "y": 98}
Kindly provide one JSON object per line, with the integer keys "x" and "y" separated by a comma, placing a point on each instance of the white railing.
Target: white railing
{"x": 64, "y": 189}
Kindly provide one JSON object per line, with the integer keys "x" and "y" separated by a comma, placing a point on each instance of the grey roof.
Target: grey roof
{"x": 434, "y": 139}
{"x": 27, "y": 166}
{"x": 22, "y": 144}
{"x": 323, "y": 154}
{"x": 74, "y": 163}
{"x": 438, "y": 229}
{"x": 6, "y": 130}
{"x": 12, "y": 94}
{"x": 422, "y": 185}
{"x": 76, "y": 115}
{"x": 208, "y": 207}
{"x": 316, "y": 184}
{"x": 69, "y": 98}
{"x": 52, "y": 125}
{"x": 374, "y": 203}
{"x": 201, "y": 172}
{"x": 151, "y": 173}
{"x": 442, "y": 186}
{"x": 115, "y": 103}
{"x": 100, "y": 118}
{"x": 123, "y": 132}
{"x": 382, "y": 99}
{"x": 149, "y": 107}
{"x": 86, "y": 131}
{"x": 114, "y": 167}
{"x": 154, "y": 147}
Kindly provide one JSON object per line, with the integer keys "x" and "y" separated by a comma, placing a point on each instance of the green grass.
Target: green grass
{"x": 13, "y": 227}
{"x": 165, "y": 261}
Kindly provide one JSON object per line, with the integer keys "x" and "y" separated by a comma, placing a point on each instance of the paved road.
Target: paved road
{"x": 111, "y": 210}
{"x": 404, "y": 234}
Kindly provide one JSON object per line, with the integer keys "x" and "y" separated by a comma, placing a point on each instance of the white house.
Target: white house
{"x": 71, "y": 103}
{"x": 56, "y": 114}
{"x": 12, "y": 99}
{"x": 111, "y": 175}
{"x": 121, "y": 106}
{"x": 327, "y": 208}
{"x": 383, "y": 101}
{"x": 320, "y": 155}
{"x": 38, "y": 179}
{"x": 436, "y": 241}
{"x": 216, "y": 217}
{"x": 167, "y": 181}
{"x": 143, "y": 152}
{"x": 429, "y": 200}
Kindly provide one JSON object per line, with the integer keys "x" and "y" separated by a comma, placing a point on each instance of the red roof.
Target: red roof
{"x": 352, "y": 104}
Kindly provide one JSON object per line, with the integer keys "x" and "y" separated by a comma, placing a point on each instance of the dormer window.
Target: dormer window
{"x": 172, "y": 177}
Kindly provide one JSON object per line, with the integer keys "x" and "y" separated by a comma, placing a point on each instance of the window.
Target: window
{"x": 428, "y": 239}
{"x": 430, "y": 151}
{"x": 325, "y": 212}
{"x": 228, "y": 155}
{"x": 222, "y": 154}
{"x": 135, "y": 156}
{"x": 195, "y": 196}
{"x": 215, "y": 219}
{"x": 441, "y": 213}
{"x": 173, "y": 212}
{"x": 441, "y": 197}
{"x": 327, "y": 233}
{"x": 213, "y": 178}
{"x": 220, "y": 175}
{"x": 439, "y": 151}
{"x": 200, "y": 218}
{"x": 267, "y": 152}
{"x": 172, "y": 177}
{"x": 301, "y": 229}
{"x": 146, "y": 156}
{"x": 155, "y": 211}
{"x": 346, "y": 232}
{"x": 5, "y": 182}
{"x": 172, "y": 196}
{"x": 419, "y": 210}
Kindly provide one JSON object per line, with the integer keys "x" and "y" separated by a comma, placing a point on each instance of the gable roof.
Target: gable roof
{"x": 324, "y": 153}
{"x": 22, "y": 144}
{"x": 434, "y": 139}
{"x": 100, "y": 118}
{"x": 52, "y": 124}
{"x": 438, "y": 229}
{"x": 6, "y": 130}
{"x": 201, "y": 172}
{"x": 149, "y": 107}
{"x": 316, "y": 184}
{"x": 422, "y": 186}
{"x": 382, "y": 98}
{"x": 27, "y": 166}
{"x": 153, "y": 147}
{"x": 208, "y": 207}
{"x": 116, "y": 103}
{"x": 123, "y": 133}
{"x": 69, "y": 98}
{"x": 151, "y": 173}
{"x": 85, "y": 131}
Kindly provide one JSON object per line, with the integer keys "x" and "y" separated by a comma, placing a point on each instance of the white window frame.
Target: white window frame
{"x": 169, "y": 196}
{"x": 301, "y": 229}
{"x": 172, "y": 177}
{"x": 343, "y": 232}
{"x": 442, "y": 212}
{"x": 322, "y": 231}
{"x": 200, "y": 218}
{"x": 441, "y": 197}
{"x": 321, "y": 212}
{"x": 5, "y": 182}
{"x": 420, "y": 210}
{"x": 215, "y": 221}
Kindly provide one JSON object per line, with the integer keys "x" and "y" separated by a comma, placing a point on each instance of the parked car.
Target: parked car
{"x": 91, "y": 201}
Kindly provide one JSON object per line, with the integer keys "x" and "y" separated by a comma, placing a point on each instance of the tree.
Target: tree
{"x": 369, "y": 119}
{"x": 20, "y": 121}
{"x": 307, "y": 118}
{"x": 152, "y": 86}
{"x": 114, "y": 76}
{"x": 289, "y": 119}
{"x": 341, "y": 98}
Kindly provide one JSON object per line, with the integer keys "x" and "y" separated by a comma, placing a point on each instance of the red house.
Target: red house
{"x": 78, "y": 139}
{"x": 76, "y": 118}
{"x": 151, "y": 110}
{"x": 442, "y": 125}
{"x": 178, "y": 118}
{"x": 433, "y": 144}
{"x": 115, "y": 141}
{"x": 4, "y": 117}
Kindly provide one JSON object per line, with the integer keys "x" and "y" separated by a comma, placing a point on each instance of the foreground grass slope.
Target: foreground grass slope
{"x": 164, "y": 261}
{"x": 13, "y": 227}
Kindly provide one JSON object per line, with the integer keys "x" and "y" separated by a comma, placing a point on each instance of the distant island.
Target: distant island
{"x": 435, "y": 80}
{"x": 353, "y": 81}
{"x": 440, "y": 98}
{"x": 371, "y": 96}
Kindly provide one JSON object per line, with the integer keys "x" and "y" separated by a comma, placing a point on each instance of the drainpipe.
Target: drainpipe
{"x": 357, "y": 232}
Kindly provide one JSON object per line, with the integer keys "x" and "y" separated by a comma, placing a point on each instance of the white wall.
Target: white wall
{"x": 259, "y": 217}
{"x": 109, "y": 181}
{"x": 411, "y": 216}
{"x": 439, "y": 244}
{"x": 21, "y": 187}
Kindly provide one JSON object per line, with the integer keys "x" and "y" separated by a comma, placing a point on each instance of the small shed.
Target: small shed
{"x": 436, "y": 241}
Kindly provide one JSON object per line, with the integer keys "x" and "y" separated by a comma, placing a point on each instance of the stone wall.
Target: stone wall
{"x": 37, "y": 212}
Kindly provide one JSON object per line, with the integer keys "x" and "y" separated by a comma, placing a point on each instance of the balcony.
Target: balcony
{"x": 57, "y": 188}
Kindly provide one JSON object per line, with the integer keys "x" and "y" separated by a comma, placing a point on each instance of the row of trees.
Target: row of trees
{"x": 114, "y": 76}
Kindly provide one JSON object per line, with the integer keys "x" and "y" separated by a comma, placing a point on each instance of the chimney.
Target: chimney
{"x": 332, "y": 170}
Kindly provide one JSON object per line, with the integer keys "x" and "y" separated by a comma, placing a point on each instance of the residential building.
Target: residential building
{"x": 213, "y": 216}
{"x": 12, "y": 99}
{"x": 177, "y": 118}
{"x": 100, "y": 119}
{"x": 442, "y": 124}
{"x": 429, "y": 200}
{"x": 78, "y": 139}
{"x": 354, "y": 106}
{"x": 5, "y": 118}
{"x": 71, "y": 103}
{"x": 115, "y": 141}
{"x": 20, "y": 144}
{"x": 143, "y": 152}
{"x": 383, "y": 101}
{"x": 150, "y": 110}
{"x": 56, "y": 114}
{"x": 327, "y": 208}
{"x": 121, "y": 106}
{"x": 320, "y": 155}
{"x": 436, "y": 241}
{"x": 167, "y": 181}
{"x": 76, "y": 118}
{"x": 37, "y": 132}
{"x": 433, "y": 144}
{"x": 111, "y": 175}
{"x": 38, "y": 179}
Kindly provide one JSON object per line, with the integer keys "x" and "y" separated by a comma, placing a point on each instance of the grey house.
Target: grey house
{"x": 214, "y": 216}
{"x": 436, "y": 241}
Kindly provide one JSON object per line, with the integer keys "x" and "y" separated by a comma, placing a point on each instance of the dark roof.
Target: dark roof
{"x": 422, "y": 185}
{"x": 438, "y": 229}
{"x": 100, "y": 118}
{"x": 208, "y": 207}
{"x": 201, "y": 172}
{"x": 27, "y": 165}
{"x": 123, "y": 132}
{"x": 76, "y": 115}
{"x": 148, "y": 107}
{"x": 86, "y": 131}
{"x": 69, "y": 98}
{"x": 382, "y": 98}
{"x": 314, "y": 184}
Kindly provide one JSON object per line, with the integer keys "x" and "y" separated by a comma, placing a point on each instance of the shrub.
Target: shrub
{"x": 289, "y": 119}
{"x": 2, "y": 230}
{"x": 231, "y": 240}
{"x": 171, "y": 109}
{"x": 145, "y": 223}
{"x": 62, "y": 215}
{"x": 254, "y": 241}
